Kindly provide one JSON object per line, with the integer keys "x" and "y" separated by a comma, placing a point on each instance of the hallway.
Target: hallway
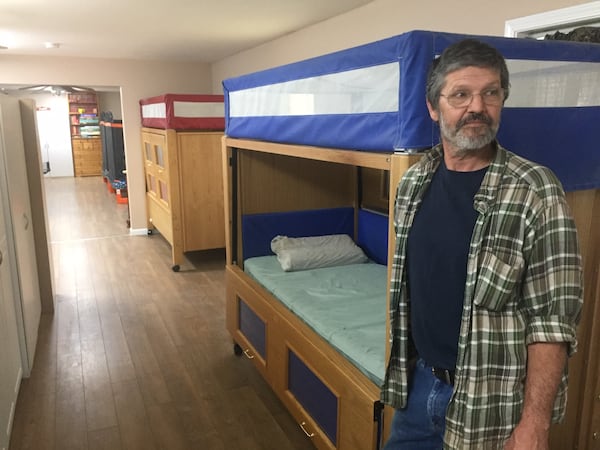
{"x": 137, "y": 356}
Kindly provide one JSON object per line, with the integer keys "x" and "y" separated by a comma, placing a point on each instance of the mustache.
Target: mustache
{"x": 474, "y": 117}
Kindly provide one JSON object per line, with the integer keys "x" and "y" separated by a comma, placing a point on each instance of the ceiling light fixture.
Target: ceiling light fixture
{"x": 51, "y": 45}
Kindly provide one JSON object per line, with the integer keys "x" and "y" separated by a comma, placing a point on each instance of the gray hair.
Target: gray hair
{"x": 465, "y": 53}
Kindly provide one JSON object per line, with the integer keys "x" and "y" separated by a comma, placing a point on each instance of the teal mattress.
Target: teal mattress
{"x": 345, "y": 305}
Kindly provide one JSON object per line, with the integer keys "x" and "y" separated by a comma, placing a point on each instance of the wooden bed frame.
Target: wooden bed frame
{"x": 184, "y": 196}
{"x": 361, "y": 422}
{"x": 263, "y": 177}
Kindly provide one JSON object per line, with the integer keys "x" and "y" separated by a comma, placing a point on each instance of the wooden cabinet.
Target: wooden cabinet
{"x": 87, "y": 156}
{"x": 184, "y": 189}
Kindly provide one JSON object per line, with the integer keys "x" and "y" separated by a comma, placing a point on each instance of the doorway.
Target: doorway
{"x": 53, "y": 123}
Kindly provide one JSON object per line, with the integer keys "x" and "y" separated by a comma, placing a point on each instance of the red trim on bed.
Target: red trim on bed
{"x": 182, "y": 123}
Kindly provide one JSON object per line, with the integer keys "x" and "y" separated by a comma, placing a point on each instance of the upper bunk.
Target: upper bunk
{"x": 183, "y": 112}
{"x": 371, "y": 99}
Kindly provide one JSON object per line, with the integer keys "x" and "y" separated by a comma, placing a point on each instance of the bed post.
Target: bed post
{"x": 230, "y": 201}
{"x": 399, "y": 165}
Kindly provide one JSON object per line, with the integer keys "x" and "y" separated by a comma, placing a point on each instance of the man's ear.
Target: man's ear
{"x": 432, "y": 112}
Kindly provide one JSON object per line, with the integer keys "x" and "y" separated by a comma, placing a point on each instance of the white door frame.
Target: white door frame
{"x": 552, "y": 20}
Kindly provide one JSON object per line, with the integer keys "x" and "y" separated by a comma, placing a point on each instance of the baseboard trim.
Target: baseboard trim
{"x": 138, "y": 231}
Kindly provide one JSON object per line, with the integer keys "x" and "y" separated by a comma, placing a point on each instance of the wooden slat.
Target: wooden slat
{"x": 351, "y": 157}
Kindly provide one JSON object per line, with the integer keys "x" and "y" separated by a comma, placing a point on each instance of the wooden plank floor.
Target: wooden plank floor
{"x": 137, "y": 356}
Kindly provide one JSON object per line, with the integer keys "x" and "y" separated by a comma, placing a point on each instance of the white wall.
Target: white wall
{"x": 54, "y": 133}
{"x": 110, "y": 101}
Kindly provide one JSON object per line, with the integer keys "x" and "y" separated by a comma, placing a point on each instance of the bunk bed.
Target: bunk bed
{"x": 316, "y": 148}
{"x": 181, "y": 142}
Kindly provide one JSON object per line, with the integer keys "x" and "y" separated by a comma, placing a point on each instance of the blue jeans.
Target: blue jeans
{"x": 421, "y": 425}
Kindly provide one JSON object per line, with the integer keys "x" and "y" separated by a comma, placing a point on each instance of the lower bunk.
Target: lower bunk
{"x": 317, "y": 335}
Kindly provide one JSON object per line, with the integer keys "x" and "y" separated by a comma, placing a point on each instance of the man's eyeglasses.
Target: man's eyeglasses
{"x": 460, "y": 99}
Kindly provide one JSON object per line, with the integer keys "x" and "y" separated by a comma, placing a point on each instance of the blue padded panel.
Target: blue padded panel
{"x": 373, "y": 235}
{"x": 327, "y": 130}
{"x": 259, "y": 229}
{"x": 553, "y": 137}
{"x": 313, "y": 395}
{"x": 563, "y": 138}
{"x": 253, "y": 328}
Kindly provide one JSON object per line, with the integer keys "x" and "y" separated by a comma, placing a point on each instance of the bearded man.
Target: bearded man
{"x": 486, "y": 288}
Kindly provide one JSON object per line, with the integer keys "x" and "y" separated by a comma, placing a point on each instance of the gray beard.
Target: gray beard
{"x": 467, "y": 144}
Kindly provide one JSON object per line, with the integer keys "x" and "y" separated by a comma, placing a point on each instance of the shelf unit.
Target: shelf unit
{"x": 85, "y": 134}
{"x": 83, "y": 115}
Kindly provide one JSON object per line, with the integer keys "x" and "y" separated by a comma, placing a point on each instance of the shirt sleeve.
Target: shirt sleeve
{"x": 553, "y": 284}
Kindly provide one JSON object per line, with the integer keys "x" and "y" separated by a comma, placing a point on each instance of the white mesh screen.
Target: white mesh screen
{"x": 368, "y": 90}
{"x": 534, "y": 84}
{"x": 198, "y": 109}
{"x": 154, "y": 110}
{"x": 541, "y": 84}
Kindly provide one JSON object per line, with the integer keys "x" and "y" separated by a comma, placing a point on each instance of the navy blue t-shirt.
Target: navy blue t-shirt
{"x": 438, "y": 247}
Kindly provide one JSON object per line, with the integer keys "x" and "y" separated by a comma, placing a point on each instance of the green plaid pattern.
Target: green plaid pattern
{"x": 524, "y": 284}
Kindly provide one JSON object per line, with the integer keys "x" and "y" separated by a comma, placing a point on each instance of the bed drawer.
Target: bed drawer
{"x": 335, "y": 405}
{"x": 247, "y": 319}
{"x": 253, "y": 328}
{"x": 250, "y": 334}
{"x": 314, "y": 396}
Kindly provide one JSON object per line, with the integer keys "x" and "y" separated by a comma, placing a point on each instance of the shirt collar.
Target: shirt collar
{"x": 488, "y": 191}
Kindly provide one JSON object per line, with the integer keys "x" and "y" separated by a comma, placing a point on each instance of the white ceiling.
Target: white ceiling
{"x": 188, "y": 30}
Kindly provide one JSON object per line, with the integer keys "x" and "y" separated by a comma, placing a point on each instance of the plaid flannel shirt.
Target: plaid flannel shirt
{"x": 524, "y": 284}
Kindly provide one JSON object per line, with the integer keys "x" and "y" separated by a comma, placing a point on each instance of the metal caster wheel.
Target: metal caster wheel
{"x": 175, "y": 268}
{"x": 237, "y": 350}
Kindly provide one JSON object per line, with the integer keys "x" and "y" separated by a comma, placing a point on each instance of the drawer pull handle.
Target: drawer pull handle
{"x": 248, "y": 354}
{"x": 310, "y": 435}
